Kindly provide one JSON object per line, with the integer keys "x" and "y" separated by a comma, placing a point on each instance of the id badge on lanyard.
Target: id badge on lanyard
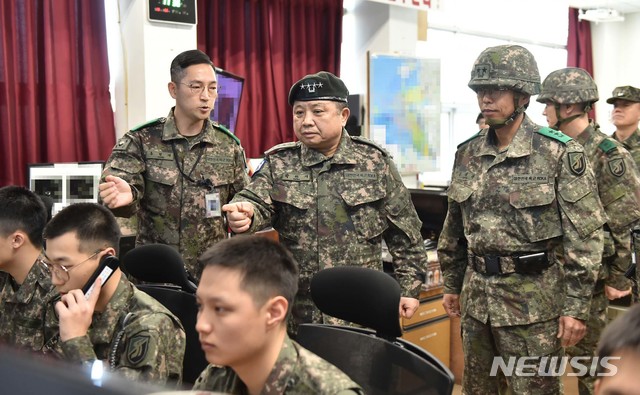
{"x": 212, "y": 204}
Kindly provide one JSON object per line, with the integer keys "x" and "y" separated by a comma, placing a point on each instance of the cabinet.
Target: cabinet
{"x": 429, "y": 327}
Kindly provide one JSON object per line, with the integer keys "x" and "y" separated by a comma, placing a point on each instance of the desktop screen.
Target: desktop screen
{"x": 227, "y": 106}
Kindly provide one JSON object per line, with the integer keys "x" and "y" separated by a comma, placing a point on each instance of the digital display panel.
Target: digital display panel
{"x": 173, "y": 11}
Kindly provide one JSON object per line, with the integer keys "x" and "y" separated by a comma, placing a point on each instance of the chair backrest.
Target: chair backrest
{"x": 183, "y": 306}
{"x": 162, "y": 274}
{"x": 375, "y": 358}
{"x": 158, "y": 263}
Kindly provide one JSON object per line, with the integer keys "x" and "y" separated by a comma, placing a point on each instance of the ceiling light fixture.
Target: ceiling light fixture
{"x": 600, "y": 15}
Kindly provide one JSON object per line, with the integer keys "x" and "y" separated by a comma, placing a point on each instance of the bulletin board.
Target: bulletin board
{"x": 404, "y": 110}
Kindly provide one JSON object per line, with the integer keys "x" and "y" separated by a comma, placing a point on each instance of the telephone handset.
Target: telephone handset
{"x": 108, "y": 265}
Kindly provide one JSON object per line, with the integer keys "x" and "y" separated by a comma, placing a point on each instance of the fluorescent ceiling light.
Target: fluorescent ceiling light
{"x": 600, "y": 15}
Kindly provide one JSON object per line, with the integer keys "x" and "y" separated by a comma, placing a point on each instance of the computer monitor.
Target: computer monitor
{"x": 227, "y": 106}
{"x": 65, "y": 183}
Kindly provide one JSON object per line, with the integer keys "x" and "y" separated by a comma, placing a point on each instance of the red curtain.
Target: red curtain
{"x": 272, "y": 44}
{"x": 54, "y": 85}
{"x": 579, "y": 45}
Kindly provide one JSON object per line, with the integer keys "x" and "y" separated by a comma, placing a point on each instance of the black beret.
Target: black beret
{"x": 319, "y": 86}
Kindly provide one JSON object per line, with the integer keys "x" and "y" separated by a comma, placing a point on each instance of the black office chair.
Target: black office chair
{"x": 375, "y": 358}
{"x": 160, "y": 270}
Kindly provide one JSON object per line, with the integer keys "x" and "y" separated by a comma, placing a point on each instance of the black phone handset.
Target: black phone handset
{"x": 108, "y": 265}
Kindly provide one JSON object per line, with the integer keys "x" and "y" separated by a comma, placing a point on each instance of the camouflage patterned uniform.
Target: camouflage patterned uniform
{"x": 170, "y": 207}
{"x": 632, "y": 144}
{"x": 136, "y": 336}
{"x": 296, "y": 371}
{"x": 22, "y": 308}
{"x": 536, "y": 196}
{"x": 336, "y": 211}
{"x": 619, "y": 191}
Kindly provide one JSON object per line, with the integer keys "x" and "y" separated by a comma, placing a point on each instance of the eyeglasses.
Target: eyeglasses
{"x": 62, "y": 272}
{"x": 492, "y": 93}
{"x": 197, "y": 88}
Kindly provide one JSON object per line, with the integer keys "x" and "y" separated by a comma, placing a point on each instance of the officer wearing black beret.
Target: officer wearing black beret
{"x": 319, "y": 86}
{"x": 332, "y": 198}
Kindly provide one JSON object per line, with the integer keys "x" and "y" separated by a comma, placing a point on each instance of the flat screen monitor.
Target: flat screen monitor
{"x": 227, "y": 106}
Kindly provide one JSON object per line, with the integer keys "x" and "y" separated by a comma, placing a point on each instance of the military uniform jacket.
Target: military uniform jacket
{"x": 619, "y": 190}
{"x": 137, "y": 336}
{"x": 538, "y": 195}
{"x": 22, "y": 308}
{"x": 296, "y": 371}
{"x": 171, "y": 208}
{"x": 336, "y": 211}
{"x": 632, "y": 144}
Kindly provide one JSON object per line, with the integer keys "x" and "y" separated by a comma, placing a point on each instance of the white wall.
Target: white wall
{"x": 140, "y": 53}
{"x": 616, "y": 58}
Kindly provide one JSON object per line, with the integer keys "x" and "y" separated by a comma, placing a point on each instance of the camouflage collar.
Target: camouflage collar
{"x": 344, "y": 153}
{"x": 282, "y": 373}
{"x": 586, "y": 135}
{"x": 103, "y": 325}
{"x": 37, "y": 277}
{"x": 170, "y": 131}
{"x": 631, "y": 142}
{"x": 520, "y": 146}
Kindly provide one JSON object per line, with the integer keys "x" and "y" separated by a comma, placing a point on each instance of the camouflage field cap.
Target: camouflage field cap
{"x": 569, "y": 86}
{"x": 625, "y": 93}
{"x": 509, "y": 66}
{"x": 319, "y": 86}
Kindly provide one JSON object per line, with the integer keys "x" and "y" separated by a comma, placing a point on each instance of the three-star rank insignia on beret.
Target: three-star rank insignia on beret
{"x": 137, "y": 348}
{"x": 616, "y": 166}
{"x": 577, "y": 163}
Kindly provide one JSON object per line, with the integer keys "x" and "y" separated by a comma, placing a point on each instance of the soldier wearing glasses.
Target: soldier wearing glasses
{"x": 176, "y": 172}
{"x": 132, "y": 333}
{"x": 518, "y": 193}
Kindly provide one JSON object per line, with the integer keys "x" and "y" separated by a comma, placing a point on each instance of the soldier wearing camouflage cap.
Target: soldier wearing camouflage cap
{"x": 332, "y": 198}
{"x": 626, "y": 118}
{"x": 518, "y": 193}
{"x": 175, "y": 173}
{"x": 569, "y": 94}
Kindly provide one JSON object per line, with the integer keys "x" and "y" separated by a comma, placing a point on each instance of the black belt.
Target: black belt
{"x": 528, "y": 263}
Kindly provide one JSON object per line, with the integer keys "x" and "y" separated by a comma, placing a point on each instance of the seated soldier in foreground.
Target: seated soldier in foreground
{"x": 244, "y": 298}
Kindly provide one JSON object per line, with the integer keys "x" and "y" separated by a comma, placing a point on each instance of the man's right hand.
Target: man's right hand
{"x": 239, "y": 216}
{"x": 115, "y": 192}
{"x": 451, "y": 303}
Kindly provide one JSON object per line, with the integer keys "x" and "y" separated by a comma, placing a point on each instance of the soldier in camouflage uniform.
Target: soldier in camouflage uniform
{"x": 332, "y": 198}
{"x": 130, "y": 331}
{"x": 244, "y": 298}
{"x": 518, "y": 192}
{"x": 25, "y": 288}
{"x": 626, "y": 117}
{"x": 176, "y": 172}
{"x": 569, "y": 94}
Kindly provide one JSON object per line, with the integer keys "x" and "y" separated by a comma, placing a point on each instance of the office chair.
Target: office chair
{"x": 375, "y": 358}
{"x": 160, "y": 269}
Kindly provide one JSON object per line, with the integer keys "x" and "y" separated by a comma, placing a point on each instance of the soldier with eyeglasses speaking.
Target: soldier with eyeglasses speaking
{"x": 175, "y": 173}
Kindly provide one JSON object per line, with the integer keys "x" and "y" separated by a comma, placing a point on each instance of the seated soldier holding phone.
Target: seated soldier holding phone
{"x": 100, "y": 315}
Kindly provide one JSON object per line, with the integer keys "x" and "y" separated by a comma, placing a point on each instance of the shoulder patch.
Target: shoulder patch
{"x": 226, "y": 131}
{"x": 607, "y": 145}
{"x": 137, "y": 348}
{"x": 470, "y": 138}
{"x": 283, "y": 146}
{"x": 555, "y": 134}
{"x": 370, "y": 143}
{"x": 617, "y": 167}
{"x": 149, "y": 123}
